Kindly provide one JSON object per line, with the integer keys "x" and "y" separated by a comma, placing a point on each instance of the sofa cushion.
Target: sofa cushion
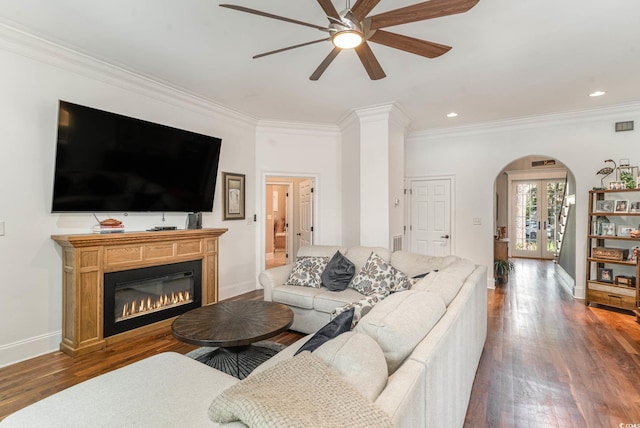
{"x": 333, "y": 328}
{"x": 293, "y": 295}
{"x": 328, "y": 301}
{"x": 414, "y": 264}
{"x": 338, "y": 273}
{"x": 377, "y": 276}
{"x": 360, "y": 255}
{"x": 361, "y": 307}
{"x": 400, "y": 322}
{"x": 307, "y": 271}
{"x": 320, "y": 250}
{"x": 359, "y": 361}
{"x": 443, "y": 284}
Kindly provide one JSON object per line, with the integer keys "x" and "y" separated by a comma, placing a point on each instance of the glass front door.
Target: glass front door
{"x": 535, "y": 208}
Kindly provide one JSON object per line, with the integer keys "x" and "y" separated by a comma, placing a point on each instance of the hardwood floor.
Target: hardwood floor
{"x": 549, "y": 361}
{"x": 32, "y": 380}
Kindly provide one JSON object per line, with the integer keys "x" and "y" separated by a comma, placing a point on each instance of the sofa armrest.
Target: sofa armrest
{"x": 273, "y": 278}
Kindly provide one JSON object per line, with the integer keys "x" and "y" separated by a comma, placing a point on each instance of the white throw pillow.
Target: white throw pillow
{"x": 400, "y": 322}
{"x": 359, "y": 361}
{"x": 307, "y": 271}
{"x": 377, "y": 276}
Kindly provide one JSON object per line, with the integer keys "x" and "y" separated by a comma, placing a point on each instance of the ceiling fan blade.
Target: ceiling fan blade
{"x": 329, "y": 9}
{"x": 269, "y": 15}
{"x": 371, "y": 64}
{"x": 290, "y": 47}
{"x": 420, "y": 12}
{"x": 324, "y": 64}
{"x": 363, "y": 7}
{"x": 409, "y": 44}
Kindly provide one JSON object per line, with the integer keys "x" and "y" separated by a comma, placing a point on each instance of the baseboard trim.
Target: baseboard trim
{"x": 236, "y": 289}
{"x": 565, "y": 280}
{"x": 16, "y": 352}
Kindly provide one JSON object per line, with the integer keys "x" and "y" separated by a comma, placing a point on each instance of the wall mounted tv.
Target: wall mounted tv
{"x": 106, "y": 162}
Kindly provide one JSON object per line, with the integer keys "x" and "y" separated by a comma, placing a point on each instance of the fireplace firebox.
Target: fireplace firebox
{"x": 137, "y": 297}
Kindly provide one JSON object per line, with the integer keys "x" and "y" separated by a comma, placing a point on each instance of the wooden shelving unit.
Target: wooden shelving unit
{"x": 610, "y": 292}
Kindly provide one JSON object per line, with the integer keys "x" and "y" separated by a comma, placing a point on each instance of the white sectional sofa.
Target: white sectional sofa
{"x": 312, "y": 307}
{"x": 414, "y": 356}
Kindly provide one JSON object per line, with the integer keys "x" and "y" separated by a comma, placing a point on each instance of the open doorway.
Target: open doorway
{"x": 534, "y": 212}
{"x": 289, "y": 208}
{"x": 276, "y": 222}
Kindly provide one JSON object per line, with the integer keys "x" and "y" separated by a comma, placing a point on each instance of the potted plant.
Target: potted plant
{"x": 501, "y": 269}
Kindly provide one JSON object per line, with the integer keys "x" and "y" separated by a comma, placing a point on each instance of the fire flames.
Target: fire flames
{"x": 149, "y": 304}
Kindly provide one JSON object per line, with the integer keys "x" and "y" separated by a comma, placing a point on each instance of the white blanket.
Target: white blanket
{"x": 298, "y": 392}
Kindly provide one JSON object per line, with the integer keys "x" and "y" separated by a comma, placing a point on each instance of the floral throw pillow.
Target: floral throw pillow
{"x": 360, "y": 308}
{"x": 377, "y": 276}
{"x": 307, "y": 271}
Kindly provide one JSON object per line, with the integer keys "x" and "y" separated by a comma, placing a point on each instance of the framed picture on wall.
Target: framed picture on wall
{"x": 233, "y": 196}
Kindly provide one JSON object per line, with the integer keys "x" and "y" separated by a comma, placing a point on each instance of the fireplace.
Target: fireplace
{"x": 137, "y": 297}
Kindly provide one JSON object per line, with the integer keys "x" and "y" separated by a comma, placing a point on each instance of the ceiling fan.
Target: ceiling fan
{"x": 352, "y": 29}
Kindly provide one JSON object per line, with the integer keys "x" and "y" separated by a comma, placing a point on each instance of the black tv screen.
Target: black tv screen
{"x": 109, "y": 162}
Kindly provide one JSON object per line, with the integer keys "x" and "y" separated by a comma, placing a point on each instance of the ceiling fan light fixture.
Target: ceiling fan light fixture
{"x": 347, "y": 39}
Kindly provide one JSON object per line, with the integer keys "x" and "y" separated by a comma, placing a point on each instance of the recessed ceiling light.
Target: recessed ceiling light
{"x": 597, "y": 93}
{"x": 452, "y": 114}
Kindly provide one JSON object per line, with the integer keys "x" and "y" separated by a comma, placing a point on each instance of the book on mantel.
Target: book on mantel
{"x": 109, "y": 229}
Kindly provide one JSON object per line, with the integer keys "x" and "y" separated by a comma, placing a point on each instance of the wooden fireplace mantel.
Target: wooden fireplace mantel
{"x": 86, "y": 258}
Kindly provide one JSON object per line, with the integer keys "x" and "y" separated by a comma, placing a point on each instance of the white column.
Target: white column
{"x": 382, "y": 132}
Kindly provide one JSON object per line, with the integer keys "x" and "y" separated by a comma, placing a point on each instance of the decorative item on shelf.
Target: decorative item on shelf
{"x": 621, "y": 207}
{"x": 604, "y": 206}
{"x": 627, "y": 174}
{"x": 625, "y": 230}
{"x": 634, "y": 207}
{"x": 633, "y": 253}
{"x": 608, "y": 253}
{"x": 617, "y": 185}
{"x": 605, "y": 275}
{"x": 626, "y": 280}
{"x": 634, "y": 233}
{"x": 607, "y": 229}
{"x": 606, "y": 171}
{"x": 501, "y": 269}
{"x": 109, "y": 225}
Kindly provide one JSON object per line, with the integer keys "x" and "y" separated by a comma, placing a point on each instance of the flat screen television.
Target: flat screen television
{"x": 106, "y": 162}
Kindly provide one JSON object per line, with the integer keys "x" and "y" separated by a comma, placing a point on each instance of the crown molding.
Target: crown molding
{"x": 628, "y": 111}
{"x": 298, "y": 128}
{"x": 39, "y": 49}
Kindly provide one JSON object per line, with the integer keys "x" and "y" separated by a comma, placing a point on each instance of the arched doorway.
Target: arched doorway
{"x": 534, "y": 208}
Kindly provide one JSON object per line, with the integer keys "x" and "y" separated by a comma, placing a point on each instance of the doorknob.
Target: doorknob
{"x": 298, "y": 234}
{"x": 445, "y": 236}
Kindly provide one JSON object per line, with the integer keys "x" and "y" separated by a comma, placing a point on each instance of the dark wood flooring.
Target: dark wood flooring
{"x": 549, "y": 361}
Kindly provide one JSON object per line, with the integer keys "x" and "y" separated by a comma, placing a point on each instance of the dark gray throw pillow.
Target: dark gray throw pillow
{"x": 333, "y": 328}
{"x": 338, "y": 273}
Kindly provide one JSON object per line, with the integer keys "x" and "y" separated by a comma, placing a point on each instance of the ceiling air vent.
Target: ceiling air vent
{"x": 543, "y": 162}
{"x": 624, "y": 126}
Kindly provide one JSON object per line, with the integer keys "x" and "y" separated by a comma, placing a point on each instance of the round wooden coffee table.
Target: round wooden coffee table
{"x": 233, "y": 327}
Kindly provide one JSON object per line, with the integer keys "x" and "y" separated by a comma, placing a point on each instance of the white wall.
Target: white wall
{"x": 476, "y": 154}
{"x": 350, "y": 181}
{"x": 301, "y": 150}
{"x": 33, "y": 77}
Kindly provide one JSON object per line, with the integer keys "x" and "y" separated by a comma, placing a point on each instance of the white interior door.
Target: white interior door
{"x": 305, "y": 211}
{"x": 430, "y": 217}
{"x": 535, "y": 208}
